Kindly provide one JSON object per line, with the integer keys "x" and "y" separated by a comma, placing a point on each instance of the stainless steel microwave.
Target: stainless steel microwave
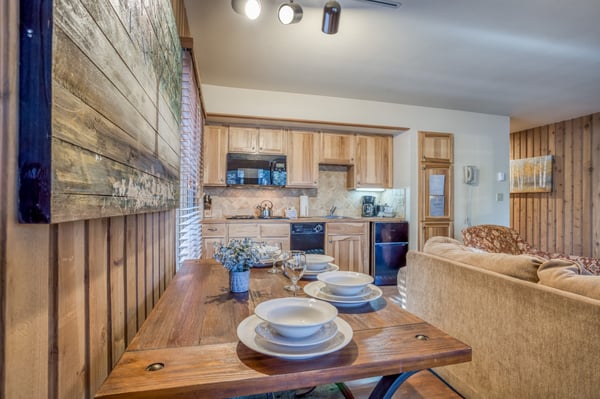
{"x": 256, "y": 170}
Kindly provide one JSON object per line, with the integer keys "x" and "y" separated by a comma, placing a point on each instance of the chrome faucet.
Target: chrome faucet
{"x": 332, "y": 210}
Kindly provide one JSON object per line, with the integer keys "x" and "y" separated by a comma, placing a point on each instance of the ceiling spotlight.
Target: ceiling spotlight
{"x": 290, "y": 13}
{"x": 331, "y": 17}
{"x": 249, "y": 8}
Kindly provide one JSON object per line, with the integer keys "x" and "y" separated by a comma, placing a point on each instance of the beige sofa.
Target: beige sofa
{"x": 529, "y": 340}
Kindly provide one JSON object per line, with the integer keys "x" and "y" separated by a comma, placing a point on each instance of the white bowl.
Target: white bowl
{"x": 317, "y": 261}
{"x": 296, "y": 317}
{"x": 345, "y": 283}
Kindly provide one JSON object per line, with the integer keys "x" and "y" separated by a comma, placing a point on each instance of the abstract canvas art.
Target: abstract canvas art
{"x": 531, "y": 175}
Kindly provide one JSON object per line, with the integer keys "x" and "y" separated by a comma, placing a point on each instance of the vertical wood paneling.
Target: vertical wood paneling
{"x": 595, "y": 217}
{"x": 543, "y": 231}
{"x": 586, "y": 185}
{"x": 131, "y": 277}
{"x": 567, "y": 219}
{"x": 64, "y": 287}
{"x": 98, "y": 306}
{"x": 117, "y": 286}
{"x": 551, "y": 220}
{"x": 148, "y": 265}
{"x": 72, "y": 377}
{"x": 142, "y": 302}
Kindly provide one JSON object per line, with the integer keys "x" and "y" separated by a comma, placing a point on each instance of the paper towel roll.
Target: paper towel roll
{"x": 304, "y": 205}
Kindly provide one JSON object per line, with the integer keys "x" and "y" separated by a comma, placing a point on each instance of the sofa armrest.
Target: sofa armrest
{"x": 522, "y": 334}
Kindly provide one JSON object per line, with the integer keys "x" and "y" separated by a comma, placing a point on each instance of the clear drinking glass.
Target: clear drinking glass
{"x": 295, "y": 266}
{"x": 273, "y": 250}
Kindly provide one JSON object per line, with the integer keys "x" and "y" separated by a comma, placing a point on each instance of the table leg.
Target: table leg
{"x": 387, "y": 385}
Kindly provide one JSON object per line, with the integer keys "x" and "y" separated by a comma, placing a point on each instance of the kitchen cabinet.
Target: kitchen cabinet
{"x": 212, "y": 234}
{"x": 337, "y": 149}
{"x": 252, "y": 140}
{"x": 303, "y": 159}
{"x": 348, "y": 244}
{"x": 373, "y": 162}
{"x": 436, "y": 147}
{"x": 244, "y": 230}
{"x": 276, "y": 232}
{"x": 434, "y": 229}
{"x": 214, "y": 155}
{"x": 436, "y": 186}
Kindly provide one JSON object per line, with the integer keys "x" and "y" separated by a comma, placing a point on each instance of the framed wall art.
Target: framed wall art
{"x": 531, "y": 175}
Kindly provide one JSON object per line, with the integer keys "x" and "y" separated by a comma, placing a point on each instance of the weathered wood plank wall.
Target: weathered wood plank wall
{"x": 564, "y": 220}
{"x": 112, "y": 107}
{"x": 72, "y": 295}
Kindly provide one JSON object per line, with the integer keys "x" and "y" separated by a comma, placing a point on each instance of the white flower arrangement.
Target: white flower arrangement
{"x": 237, "y": 255}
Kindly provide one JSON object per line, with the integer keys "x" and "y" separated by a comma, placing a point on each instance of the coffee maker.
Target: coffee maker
{"x": 368, "y": 206}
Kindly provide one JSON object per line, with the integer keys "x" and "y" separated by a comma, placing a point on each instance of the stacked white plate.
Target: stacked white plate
{"x": 294, "y": 328}
{"x": 344, "y": 288}
{"x": 317, "y": 264}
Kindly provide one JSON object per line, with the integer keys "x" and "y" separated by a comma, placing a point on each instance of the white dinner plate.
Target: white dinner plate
{"x": 269, "y": 334}
{"x": 314, "y": 289}
{"x": 246, "y": 332}
{"x": 312, "y": 274}
{"x": 327, "y": 292}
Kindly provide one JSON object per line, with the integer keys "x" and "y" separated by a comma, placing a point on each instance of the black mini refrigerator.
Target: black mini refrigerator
{"x": 389, "y": 245}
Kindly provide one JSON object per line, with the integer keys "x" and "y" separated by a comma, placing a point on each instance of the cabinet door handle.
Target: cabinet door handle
{"x": 331, "y": 241}
{"x": 212, "y": 229}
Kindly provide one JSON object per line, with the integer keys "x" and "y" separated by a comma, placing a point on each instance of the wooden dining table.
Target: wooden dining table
{"x": 188, "y": 346}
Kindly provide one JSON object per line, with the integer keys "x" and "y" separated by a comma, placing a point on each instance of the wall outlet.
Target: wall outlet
{"x": 499, "y": 197}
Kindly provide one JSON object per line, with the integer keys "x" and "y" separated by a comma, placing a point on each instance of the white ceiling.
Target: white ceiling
{"x": 537, "y": 61}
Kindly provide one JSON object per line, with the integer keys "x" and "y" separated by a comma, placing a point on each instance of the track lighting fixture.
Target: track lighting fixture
{"x": 331, "y": 17}
{"x": 290, "y": 13}
{"x": 249, "y": 8}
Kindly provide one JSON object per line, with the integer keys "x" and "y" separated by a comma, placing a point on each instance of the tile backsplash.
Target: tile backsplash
{"x": 331, "y": 192}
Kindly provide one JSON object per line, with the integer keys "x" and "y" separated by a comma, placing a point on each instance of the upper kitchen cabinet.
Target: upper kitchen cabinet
{"x": 252, "y": 140}
{"x": 436, "y": 147}
{"x": 303, "y": 159}
{"x": 214, "y": 155}
{"x": 337, "y": 149}
{"x": 373, "y": 162}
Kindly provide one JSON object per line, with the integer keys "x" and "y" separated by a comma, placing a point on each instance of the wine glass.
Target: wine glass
{"x": 295, "y": 266}
{"x": 273, "y": 251}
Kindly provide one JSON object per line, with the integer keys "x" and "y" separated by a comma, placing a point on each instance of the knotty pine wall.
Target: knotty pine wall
{"x": 567, "y": 219}
{"x": 72, "y": 295}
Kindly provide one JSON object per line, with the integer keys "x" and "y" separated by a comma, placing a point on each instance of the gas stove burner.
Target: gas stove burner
{"x": 241, "y": 217}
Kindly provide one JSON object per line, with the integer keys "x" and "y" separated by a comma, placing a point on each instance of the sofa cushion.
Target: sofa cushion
{"x": 523, "y": 267}
{"x": 569, "y": 276}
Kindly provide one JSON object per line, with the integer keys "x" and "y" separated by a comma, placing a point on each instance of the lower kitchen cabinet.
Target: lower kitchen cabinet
{"x": 276, "y": 232}
{"x": 216, "y": 233}
{"x": 212, "y": 234}
{"x": 348, "y": 243}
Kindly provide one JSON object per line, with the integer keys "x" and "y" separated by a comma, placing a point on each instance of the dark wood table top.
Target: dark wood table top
{"x": 192, "y": 332}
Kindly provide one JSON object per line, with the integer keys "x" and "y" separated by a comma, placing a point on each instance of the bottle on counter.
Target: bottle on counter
{"x": 207, "y": 206}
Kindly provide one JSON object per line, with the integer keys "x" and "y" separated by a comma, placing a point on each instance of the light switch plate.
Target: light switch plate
{"x": 499, "y": 197}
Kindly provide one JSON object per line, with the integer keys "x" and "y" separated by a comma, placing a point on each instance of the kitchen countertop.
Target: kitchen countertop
{"x": 320, "y": 219}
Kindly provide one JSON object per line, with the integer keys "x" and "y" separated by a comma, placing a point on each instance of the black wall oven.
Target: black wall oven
{"x": 308, "y": 237}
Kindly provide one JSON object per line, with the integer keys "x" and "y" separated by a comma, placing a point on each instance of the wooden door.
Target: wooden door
{"x": 302, "y": 159}
{"x": 337, "y": 149}
{"x": 243, "y": 139}
{"x": 272, "y": 141}
{"x": 214, "y": 155}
